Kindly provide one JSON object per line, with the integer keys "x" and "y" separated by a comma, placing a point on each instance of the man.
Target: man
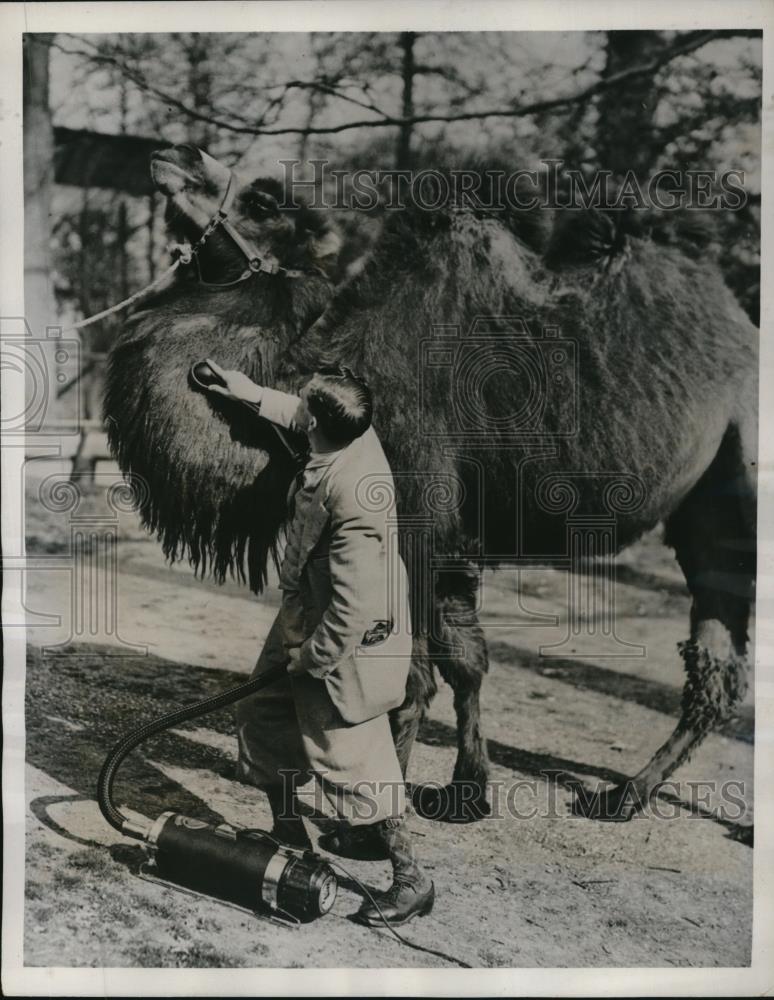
{"x": 343, "y": 631}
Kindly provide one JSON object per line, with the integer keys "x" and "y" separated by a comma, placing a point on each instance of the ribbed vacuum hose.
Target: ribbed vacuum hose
{"x": 125, "y": 746}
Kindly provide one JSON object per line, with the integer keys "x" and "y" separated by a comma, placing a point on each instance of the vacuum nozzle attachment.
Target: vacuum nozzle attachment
{"x": 203, "y": 376}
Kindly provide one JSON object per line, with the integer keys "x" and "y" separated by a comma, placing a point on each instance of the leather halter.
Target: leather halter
{"x": 256, "y": 264}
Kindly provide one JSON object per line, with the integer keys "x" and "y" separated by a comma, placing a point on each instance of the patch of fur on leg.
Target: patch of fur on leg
{"x": 716, "y": 678}
{"x": 421, "y": 686}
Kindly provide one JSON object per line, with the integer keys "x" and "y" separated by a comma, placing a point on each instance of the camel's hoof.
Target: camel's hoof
{"x": 743, "y": 833}
{"x": 614, "y": 805}
{"x": 459, "y": 802}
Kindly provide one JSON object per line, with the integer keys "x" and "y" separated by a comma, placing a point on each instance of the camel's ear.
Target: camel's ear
{"x": 217, "y": 173}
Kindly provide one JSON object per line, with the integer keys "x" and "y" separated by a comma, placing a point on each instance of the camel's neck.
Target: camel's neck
{"x": 278, "y": 308}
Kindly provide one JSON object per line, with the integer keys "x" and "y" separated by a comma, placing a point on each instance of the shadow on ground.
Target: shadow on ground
{"x": 102, "y": 692}
{"x": 589, "y": 676}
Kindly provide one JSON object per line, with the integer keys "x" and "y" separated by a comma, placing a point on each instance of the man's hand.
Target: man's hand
{"x": 294, "y": 663}
{"x": 238, "y": 386}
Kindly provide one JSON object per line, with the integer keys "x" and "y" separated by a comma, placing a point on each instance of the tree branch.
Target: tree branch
{"x": 96, "y": 56}
{"x": 327, "y": 87}
{"x": 694, "y": 41}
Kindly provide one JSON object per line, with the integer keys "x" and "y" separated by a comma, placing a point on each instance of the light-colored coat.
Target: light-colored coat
{"x": 351, "y": 577}
{"x": 328, "y": 718}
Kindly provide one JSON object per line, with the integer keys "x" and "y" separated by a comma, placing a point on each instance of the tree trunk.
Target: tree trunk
{"x": 315, "y": 104}
{"x": 200, "y": 87}
{"x": 151, "y": 252}
{"x": 625, "y": 127}
{"x": 38, "y": 145}
{"x": 403, "y": 151}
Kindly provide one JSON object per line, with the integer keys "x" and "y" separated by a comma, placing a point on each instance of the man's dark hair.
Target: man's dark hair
{"x": 341, "y": 403}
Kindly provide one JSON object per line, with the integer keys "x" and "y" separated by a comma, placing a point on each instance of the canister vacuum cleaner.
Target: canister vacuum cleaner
{"x": 247, "y": 868}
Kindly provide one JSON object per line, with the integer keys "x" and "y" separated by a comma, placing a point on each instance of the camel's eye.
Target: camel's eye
{"x": 260, "y": 203}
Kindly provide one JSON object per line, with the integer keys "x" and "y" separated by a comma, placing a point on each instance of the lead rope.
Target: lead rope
{"x": 126, "y": 302}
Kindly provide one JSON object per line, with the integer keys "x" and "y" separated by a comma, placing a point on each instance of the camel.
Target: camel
{"x": 526, "y": 368}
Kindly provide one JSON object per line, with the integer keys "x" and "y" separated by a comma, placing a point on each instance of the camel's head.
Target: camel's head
{"x": 196, "y": 184}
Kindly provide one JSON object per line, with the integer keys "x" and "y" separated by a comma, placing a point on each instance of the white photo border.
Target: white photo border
{"x": 362, "y": 15}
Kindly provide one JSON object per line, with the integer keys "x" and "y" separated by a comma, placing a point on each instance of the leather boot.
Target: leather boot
{"x": 411, "y": 894}
{"x": 288, "y": 825}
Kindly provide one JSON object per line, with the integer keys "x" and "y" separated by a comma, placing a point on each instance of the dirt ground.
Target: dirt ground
{"x": 530, "y": 886}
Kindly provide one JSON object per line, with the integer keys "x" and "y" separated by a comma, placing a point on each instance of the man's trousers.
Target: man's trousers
{"x": 293, "y": 728}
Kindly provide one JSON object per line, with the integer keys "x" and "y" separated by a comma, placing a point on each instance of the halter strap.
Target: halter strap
{"x": 256, "y": 264}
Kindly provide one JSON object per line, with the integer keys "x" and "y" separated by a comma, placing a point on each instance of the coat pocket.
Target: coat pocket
{"x": 372, "y": 681}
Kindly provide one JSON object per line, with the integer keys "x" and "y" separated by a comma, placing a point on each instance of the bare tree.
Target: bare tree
{"x": 38, "y": 178}
{"x": 264, "y": 121}
{"x": 408, "y": 69}
{"x": 397, "y": 99}
{"x": 624, "y": 133}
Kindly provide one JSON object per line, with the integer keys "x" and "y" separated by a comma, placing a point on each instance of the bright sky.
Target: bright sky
{"x": 503, "y": 68}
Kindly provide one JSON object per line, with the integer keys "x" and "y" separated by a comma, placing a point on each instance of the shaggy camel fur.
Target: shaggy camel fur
{"x": 528, "y": 373}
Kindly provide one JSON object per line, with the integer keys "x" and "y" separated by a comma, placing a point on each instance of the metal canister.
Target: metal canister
{"x": 245, "y": 867}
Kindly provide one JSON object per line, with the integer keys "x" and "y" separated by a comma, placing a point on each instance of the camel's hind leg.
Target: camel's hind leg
{"x": 420, "y": 690}
{"x": 713, "y": 535}
{"x": 456, "y": 645}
